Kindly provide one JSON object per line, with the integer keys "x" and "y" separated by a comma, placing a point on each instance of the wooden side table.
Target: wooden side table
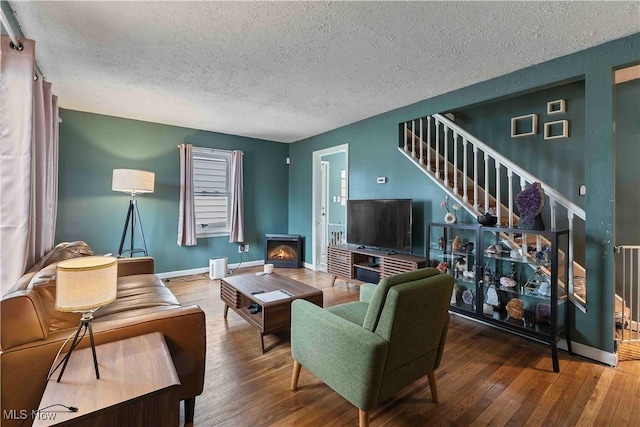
{"x": 138, "y": 386}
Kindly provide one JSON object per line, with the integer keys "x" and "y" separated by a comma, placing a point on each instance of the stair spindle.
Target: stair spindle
{"x": 465, "y": 179}
{"x": 553, "y": 205}
{"x": 429, "y": 143}
{"x": 413, "y": 138}
{"x": 455, "y": 163}
{"x": 497, "y": 196}
{"x": 406, "y": 137}
{"x": 487, "y": 189}
{"x": 421, "y": 142}
{"x": 475, "y": 177}
{"x": 446, "y": 155}
{"x": 437, "y": 149}
{"x": 510, "y": 183}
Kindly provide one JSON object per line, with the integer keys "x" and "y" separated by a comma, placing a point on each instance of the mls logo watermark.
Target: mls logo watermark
{"x": 23, "y": 414}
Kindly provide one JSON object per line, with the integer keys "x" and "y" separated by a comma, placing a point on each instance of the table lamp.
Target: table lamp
{"x": 82, "y": 286}
{"x": 132, "y": 181}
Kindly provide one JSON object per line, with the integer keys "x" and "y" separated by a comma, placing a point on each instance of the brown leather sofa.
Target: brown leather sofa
{"x": 32, "y": 330}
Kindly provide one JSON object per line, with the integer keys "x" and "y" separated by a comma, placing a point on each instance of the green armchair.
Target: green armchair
{"x": 370, "y": 349}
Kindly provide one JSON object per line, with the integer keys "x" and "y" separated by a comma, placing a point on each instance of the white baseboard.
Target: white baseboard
{"x": 193, "y": 271}
{"x": 308, "y": 265}
{"x": 592, "y": 353}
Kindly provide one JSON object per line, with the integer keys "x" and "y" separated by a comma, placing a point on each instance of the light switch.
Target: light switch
{"x": 582, "y": 191}
{"x": 382, "y": 180}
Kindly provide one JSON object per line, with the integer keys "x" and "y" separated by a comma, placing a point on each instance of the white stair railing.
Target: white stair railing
{"x": 440, "y": 149}
{"x": 627, "y": 293}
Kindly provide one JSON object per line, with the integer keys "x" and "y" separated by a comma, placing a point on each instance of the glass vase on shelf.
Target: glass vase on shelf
{"x": 450, "y": 218}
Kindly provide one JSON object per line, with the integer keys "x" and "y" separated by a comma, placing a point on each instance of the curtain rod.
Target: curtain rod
{"x": 16, "y": 45}
{"x": 212, "y": 149}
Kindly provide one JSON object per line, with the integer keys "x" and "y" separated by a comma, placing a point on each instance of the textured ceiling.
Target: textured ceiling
{"x": 284, "y": 71}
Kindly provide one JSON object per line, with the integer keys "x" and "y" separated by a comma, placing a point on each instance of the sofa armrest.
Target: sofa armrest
{"x": 131, "y": 266}
{"x": 366, "y": 292}
{"x": 22, "y": 320}
{"x": 345, "y": 356}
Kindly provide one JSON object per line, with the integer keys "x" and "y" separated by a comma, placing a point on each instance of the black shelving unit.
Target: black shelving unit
{"x": 525, "y": 275}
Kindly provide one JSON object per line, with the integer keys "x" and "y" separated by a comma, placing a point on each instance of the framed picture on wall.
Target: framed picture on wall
{"x": 556, "y": 130}
{"x": 524, "y": 125}
{"x": 556, "y": 107}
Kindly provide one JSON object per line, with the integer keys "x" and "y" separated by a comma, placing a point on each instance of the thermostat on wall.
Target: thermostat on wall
{"x": 382, "y": 180}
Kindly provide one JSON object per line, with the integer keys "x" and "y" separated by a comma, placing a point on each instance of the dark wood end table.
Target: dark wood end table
{"x": 138, "y": 385}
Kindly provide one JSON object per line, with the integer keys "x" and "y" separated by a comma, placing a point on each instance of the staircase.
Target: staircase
{"x": 480, "y": 178}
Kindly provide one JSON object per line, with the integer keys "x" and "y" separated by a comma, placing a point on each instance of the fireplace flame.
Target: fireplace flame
{"x": 283, "y": 253}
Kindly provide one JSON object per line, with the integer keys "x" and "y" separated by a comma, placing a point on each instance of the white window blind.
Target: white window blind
{"x": 211, "y": 186}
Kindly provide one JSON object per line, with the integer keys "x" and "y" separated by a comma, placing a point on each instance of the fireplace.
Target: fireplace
{"x": 283, "y": 250}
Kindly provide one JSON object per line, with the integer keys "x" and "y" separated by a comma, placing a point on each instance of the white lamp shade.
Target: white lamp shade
{"x": 133, "y": 181}
{"x": 85, "y": 283}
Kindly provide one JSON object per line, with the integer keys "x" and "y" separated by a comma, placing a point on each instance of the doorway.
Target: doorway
{"x": 329, "y": 195}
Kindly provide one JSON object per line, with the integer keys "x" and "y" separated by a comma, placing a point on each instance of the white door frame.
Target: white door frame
{"x": 316, "y": 194}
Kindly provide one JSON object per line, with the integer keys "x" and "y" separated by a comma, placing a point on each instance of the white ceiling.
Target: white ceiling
{"x": 284, "y": 71}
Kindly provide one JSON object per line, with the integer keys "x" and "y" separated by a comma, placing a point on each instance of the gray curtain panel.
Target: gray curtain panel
{"x": 186, "y": 212}
{"x": 237, "y": 198}
{"x": 28, "y": 161}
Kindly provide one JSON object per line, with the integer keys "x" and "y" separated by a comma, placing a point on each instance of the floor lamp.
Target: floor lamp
{"x": 132, "y": 181}
{"x": 82, "y": 286}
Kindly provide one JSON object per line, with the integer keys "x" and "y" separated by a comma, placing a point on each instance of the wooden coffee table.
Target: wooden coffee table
{"x": 239, "y": 292}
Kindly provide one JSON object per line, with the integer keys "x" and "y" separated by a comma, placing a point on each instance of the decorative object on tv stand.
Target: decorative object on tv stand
{"x": 530, "y": 202}
{"x": 82, "y": 286}
{"x": 450, "y": 217}
{"x": 133, "y": 182}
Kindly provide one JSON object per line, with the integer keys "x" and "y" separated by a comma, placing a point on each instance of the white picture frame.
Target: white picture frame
{"x": 558, "y": 106}
{"x": 564, "y": 130}
{"x": 529, "y": 122}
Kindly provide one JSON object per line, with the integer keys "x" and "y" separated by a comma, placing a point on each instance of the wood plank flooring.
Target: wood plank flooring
{"x": 487, "y": 377}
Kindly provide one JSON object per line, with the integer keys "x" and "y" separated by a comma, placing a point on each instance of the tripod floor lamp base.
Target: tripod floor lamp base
{"x": 132, "y": 181}
{"x": 133, "y": 218}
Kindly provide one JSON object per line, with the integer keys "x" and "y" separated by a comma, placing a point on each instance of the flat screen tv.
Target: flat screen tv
{"x": 381, "y": 223}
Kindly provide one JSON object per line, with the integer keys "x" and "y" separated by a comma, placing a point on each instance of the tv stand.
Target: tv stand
{"x": 349, "y": 262}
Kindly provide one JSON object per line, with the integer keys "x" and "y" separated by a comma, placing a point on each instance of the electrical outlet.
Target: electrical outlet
{"x": 240, "y": 248}
{"x": 246, "y": 248}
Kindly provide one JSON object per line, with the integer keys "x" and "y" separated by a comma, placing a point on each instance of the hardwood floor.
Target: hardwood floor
{"x": 487, "y": 377}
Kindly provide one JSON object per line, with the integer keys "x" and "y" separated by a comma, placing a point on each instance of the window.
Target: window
{"x": 211, "y": 188}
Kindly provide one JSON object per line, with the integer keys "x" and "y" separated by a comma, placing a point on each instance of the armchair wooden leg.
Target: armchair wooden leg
{"x": 364, "y": 418}
{"x": 434, "y": 387}
{"x": 295, "y": 376}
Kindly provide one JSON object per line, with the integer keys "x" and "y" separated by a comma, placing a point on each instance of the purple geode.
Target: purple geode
{"x": 530, "y": 202}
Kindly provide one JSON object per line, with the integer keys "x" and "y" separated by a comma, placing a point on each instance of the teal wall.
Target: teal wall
{"x": 559, "y": 162}
{"x": 373, "y": 152}
{"x": 92, "y": 145}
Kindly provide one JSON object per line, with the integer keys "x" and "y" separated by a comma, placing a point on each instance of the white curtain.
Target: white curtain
{"x": 28, "y": 162}
{"x": 237, "y": 199}
{"x": 44, "y": 175}
{"x": 186, "y": 210}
